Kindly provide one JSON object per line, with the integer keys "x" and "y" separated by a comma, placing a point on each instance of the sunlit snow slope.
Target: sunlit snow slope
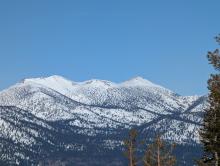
{"x": 95, "y": 109}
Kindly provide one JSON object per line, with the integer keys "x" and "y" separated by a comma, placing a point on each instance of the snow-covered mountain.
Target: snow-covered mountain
{"x": 53, "y": 115}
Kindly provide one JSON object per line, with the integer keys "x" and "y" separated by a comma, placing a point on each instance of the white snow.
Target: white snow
{"x": 103, "y": 104}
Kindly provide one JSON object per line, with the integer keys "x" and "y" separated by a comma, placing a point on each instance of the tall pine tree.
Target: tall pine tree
{"x": 210, "y": 133}
{"x": 159, "y": 154}
{"x": 131, "y": 147}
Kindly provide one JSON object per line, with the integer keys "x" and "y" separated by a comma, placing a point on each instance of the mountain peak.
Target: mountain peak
{"x": 139, "y": 81}
{"x": 40, "y": 79}
{"x": 56, "y": 77}
{"x": 62, "y": 84}
{"x": 55, "y": 82}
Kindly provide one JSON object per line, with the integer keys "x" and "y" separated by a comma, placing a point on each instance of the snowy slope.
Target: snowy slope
{"x": 98, "y": 109}
{"x": 127, "y": 94}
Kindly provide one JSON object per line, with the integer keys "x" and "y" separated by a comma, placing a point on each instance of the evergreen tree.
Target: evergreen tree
{"x": 131, "y": 147}
{"x": 210, "y": 132}
{"x": 159, "y": 154}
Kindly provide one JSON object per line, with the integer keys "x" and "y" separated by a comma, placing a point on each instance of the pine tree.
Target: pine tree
{"x": 210, "y": 132}
{"x": 159, "y": 154}
{"x": 131, "y": 147}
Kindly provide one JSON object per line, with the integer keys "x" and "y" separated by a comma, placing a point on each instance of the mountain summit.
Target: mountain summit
{"x": 138, "y": 81}
{"x": 62, "y": 82}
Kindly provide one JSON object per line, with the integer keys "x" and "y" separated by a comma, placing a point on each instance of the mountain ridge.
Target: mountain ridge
{"x": 98, "y": 110}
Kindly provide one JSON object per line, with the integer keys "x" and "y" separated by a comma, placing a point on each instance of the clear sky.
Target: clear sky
{"x": 165, "y": 42}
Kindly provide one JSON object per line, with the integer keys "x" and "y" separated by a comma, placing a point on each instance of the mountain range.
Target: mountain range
{"x": 85, "y": 123}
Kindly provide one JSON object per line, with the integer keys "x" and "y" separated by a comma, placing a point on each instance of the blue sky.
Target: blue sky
{"x": 163, "y": 41}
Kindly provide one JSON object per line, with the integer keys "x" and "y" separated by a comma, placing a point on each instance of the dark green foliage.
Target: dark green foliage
{"x": 210, "y": 133}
